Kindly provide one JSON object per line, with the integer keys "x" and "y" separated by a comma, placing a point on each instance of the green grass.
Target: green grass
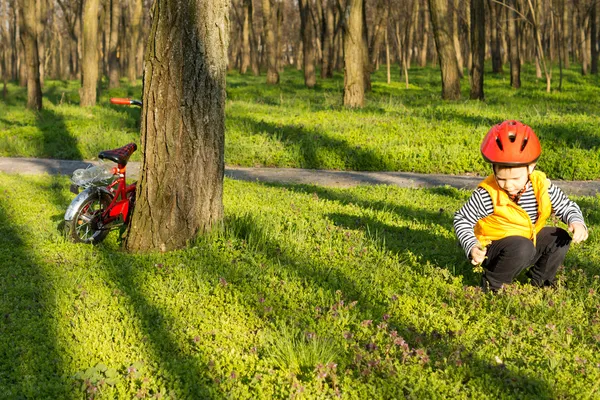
{"x": 290, "y": 126}
{"x": 307, "y": 293}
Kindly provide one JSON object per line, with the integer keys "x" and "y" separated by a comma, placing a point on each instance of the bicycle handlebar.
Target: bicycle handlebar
{"x": 125, "y": 102}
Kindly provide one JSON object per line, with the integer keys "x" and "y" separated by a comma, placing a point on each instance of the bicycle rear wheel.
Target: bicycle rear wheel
{"x": 84, "y": 227}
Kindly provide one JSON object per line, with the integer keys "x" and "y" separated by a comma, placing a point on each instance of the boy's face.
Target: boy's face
{"x": 512, "y": 179}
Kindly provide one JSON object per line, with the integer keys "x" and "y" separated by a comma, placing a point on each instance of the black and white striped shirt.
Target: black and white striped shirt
{"x": 480, "y": 206}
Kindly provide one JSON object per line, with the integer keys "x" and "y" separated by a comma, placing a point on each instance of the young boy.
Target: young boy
{"x": 502, "y": 225}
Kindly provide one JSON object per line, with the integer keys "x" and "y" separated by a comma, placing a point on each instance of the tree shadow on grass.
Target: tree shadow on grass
{"x": 320, "y": 275}
{"x": 57, "y": 141}
{"x": 30, "y": 359}
{"x": 316, "y": 147}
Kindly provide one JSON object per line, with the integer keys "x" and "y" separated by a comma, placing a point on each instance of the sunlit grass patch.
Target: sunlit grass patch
{"x": 308, "y": 292}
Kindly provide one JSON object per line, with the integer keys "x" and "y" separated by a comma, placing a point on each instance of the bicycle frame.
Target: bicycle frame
{"x": 119, "y": 206}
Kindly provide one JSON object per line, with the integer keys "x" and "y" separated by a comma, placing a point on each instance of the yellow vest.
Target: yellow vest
{"x": 508, "y": 218}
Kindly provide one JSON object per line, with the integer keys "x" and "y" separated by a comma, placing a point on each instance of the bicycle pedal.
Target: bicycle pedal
{"x": 74, "y": 188}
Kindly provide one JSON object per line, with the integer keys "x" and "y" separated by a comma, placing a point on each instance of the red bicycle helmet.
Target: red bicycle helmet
{"x": 511, "y": 143}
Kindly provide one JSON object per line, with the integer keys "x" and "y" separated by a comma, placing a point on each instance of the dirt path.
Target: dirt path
{"x": 297, "y": 176}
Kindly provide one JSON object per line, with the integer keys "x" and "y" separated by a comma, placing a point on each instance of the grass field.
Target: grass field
{"x": 290, "y": 126}
{"x": 307, "y": 293}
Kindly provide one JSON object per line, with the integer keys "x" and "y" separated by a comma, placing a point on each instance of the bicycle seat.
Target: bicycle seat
{"x": 120, "y": 155}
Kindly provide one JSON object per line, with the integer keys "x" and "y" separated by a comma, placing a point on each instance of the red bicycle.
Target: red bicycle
{"x": 106, "y": 201}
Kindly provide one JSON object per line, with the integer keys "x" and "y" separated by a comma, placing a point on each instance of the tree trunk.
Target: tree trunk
{"x": 425, "y": 41}
{"x": 254, "y": 56}
{"x": 495, "y": 30}
{"x": 113, "y": 61}
{"x": 180, "y": 193}
{"x": 377, "y": 38}
{"x": 566, "y": 29}
{"x": 247, "y": 10}
{"x": 328, "y": 40}
{"x": 584, "y": 39}
{"x": 477, "y": 47}
{"x": 90, "y": 53}
{"x": 594, "y": 37}
{"x": 387, "y": 58}
{"x": 513, "y": 36}
{"x": 133, "y": 33}
{"x": 412, "y": 27}
{"x": 271, "y": 46}
{"x": 367, "y": 67}
{"x": 41, "y": 14}
{"x": 306, "y": 32}
{"x": 29, "y": 35}
{"x": 455, "y": 36}
{"x": 354, "y": 89}
{"x": 445, "y": 48}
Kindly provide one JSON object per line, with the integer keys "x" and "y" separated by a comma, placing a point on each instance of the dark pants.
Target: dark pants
{"x": 507, "y": 257}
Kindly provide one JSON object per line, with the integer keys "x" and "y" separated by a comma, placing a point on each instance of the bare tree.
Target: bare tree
{"x": 445, "y": 49}
{"x": 180, "y": 193}
{"x": 90, "y": 53}
{"x": 496, "y": 48}
{"x": 306, "y": 32}
{"x": 513, "y": 35}
{"x": 271, "y": 45}
{"x": 113, "y": 61}
{"x": 477, "y": 47}
{"x": 29, "y": 34}
{"x": 354, "y": 89}
{"x": 133, "y": 34}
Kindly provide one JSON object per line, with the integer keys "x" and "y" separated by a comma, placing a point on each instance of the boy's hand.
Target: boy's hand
{"x": 579, "y": 232}
{"x": 478, "y": 254}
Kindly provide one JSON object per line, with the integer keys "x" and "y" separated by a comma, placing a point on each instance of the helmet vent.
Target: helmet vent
{"x": 512, "y": 136}
{"x": 523, "y": 144}
{"x": 499, "y": 143}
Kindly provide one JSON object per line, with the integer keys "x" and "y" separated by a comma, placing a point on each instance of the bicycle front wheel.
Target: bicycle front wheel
{"x": 85, "y": 225}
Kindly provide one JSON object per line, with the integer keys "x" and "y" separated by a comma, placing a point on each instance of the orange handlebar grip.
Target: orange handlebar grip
{"x": 123, "y": 102}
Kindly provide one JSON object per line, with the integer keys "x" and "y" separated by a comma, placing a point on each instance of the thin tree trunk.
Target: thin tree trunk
{"x": 425, "y": 41}
{"x": 247, "y": 10}
{"x": 455, "y": 36}
{"x": 387, "y": 58}
{"x": 41, "y": 10}
{"x": 271, "y": 46}
{"x": 536, "y": 17}
{"x": 328, "y": 41}
{"x": 477, "y": 47}
{"x": 594, "y": 37}
{"x": 412, "y": 26}
{"x": 180, "y": 193}
{"x": 367, "y": 67}
{"x": 254, "y": 56}
{"x": 29, "y": 34}
{"x": 445, "y": 48}
{"x": 133, "y": 33}
{"x": 495, "y": 31}
{"x": 90, "y": 53}
{"x": 513, "y": 36}
{"x": 113, "y": 61}
{"x": 566, "y": 29}
{"x": 354, "y": 89}
{"x": 306, "y": 32}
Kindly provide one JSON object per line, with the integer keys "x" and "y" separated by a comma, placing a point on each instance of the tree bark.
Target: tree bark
{"x": 566, "y": 29}
{"x": 328, "y": 40}
{"x": 306, "y": 32}
{"x": 247, "y": 11}
{"x": 41, "y": 14}
{"x": 594, "y": 38}
{"x": 113, "y": 61}
{"x": 445, "y": 49}
{"x": 29, "y": 35}
{"x": 354, "y": 89}
{"x": 455, "y": 36}
{"x": 180, "y": 193}
{"x": 495, "y": 31}
{"x": 477, "y": 48}
{"x": 271, "y": 45}
{"x": 513, "y": 36}
{"x": 133, "y": 33}
{"x": 90, "y": 53}
{"x": 425, "y": 41}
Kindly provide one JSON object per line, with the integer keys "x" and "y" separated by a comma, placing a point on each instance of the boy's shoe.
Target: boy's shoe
{"x": 485, "y": 285}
